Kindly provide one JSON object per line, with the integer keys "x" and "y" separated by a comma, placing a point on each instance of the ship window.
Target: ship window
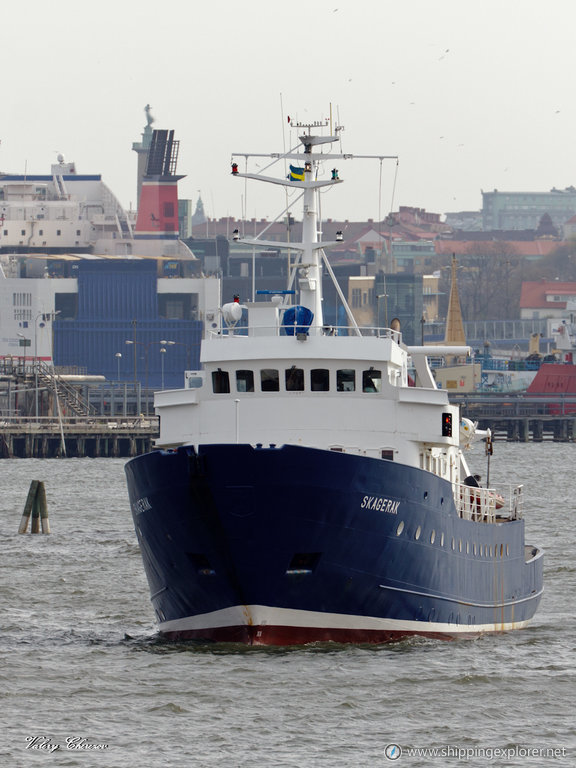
{"x": 442, "y": 540}
{"x": 507, "y": 550}
{"x": 41, "y": 232}
{"x": 371, "y": 381}
{"x": 418, "y": 532}
{"x": 387, "y": 454}
{"x": 346, "y": 380}
{"x": 245, "y": 381}
{"x": 501, "y": 550}
{"x": 269, "y": 380}
{"x": 58, "y": 232}
{"x": 467, "y": 547}
{"x": 220, "y": 382}
{"x": 475, "y": 548}
{"x": 22, "y": 231}
{"x": 294, "y": 379}
{"x": 453, "y": 543}
{"x": 459, "y": 545}
{"x": 400, "y": 528}
{"x": 432, "y": 537}
{"x": 319, "y": 380}
{"x": 5, "y": 232}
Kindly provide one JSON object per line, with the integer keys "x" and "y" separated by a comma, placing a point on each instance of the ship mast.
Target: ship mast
{"x": 309, "y": 263}
{"x": 310, "y": 280}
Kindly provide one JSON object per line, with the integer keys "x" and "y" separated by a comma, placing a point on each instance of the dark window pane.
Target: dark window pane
{"x": 270, "y": 381}
{"x": 220, "y": 382}
{"x": 346, "y": 380}
{"x": 294, "y": 379}
{"x": 245, "y": 381}
{"x": 371, "y": 381}
{"x": 320, "y": 380}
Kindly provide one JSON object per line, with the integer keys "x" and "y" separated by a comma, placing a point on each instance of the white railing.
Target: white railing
{"x": 326, "y": 330}
{"x": 489, "y": 505}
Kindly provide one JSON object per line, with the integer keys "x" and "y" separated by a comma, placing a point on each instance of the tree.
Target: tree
{"x": 546, "y": 227}
{"x": 489, "y": 281}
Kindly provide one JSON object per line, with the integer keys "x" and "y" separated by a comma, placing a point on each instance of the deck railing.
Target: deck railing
{"x": 489, "y": 505}
{"x": 297, "y": 331}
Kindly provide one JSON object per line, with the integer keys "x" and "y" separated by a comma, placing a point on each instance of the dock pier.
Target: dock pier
{"x": 521, "y": 418}
{"x": 74, "y": 437}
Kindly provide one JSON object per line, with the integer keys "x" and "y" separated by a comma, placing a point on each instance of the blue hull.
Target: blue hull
{"x": 292, "y": 544}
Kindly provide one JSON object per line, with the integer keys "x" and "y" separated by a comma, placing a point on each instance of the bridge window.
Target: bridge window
{"x": 220, "y": 382}
{"x": 245, "y": 381}
{"x": 371, "y": 381}
{"x": 269, "y": 380}
{"x": 346, "y": 380}
{"x": 294, "y": 379}
{"x": 320, "y": 380}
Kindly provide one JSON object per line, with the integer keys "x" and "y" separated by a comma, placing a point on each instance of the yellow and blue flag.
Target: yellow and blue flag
{"x": 296, "y": 174}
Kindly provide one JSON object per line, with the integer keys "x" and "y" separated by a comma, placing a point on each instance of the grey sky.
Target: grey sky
{"x": 471, "y": 95}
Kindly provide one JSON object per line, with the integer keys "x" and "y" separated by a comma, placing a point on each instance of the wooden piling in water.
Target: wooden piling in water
{"x": 37, "y": 508}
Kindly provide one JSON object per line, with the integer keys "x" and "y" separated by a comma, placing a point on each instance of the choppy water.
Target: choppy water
{"x": 79, "y": 658}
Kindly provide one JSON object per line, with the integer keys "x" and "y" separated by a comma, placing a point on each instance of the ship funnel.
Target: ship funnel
{"x": 158, "y": 205}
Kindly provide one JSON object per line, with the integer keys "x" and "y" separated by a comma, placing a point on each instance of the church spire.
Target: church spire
{"x": 454, "y": 332}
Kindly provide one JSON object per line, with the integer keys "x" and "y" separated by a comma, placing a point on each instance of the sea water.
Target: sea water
{"x": 86, "y": 681}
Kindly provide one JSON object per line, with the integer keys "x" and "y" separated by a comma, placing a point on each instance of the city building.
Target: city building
{"x": 524, "y": 210}
{"x": 546, "y": 299}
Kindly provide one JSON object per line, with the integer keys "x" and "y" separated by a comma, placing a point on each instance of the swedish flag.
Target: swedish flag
{"x": 296, "y": 174}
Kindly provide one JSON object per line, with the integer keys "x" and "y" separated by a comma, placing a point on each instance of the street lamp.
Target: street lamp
{"x": 162, "y": 353}
{"x": 385, "y": 297}
{"x": 179, "y": 344}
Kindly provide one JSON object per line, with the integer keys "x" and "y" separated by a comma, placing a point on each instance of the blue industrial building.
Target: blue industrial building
{"x": 116, "y": 323}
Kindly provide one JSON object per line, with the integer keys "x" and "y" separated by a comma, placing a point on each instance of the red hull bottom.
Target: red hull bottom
{"x": 280, "y": 636}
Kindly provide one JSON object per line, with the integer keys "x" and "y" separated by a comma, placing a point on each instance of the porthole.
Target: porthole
{"x": 432, "y": 537}
{"x": 442, "y": 539}
{"x": 418, "y": 532}
{"x": 400, "y": 528}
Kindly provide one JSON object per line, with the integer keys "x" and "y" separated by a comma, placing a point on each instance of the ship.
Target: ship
{"x": 311, "y": 483}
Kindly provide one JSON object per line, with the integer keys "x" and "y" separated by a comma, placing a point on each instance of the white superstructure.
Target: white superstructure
{"x": 276, "y": 378}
